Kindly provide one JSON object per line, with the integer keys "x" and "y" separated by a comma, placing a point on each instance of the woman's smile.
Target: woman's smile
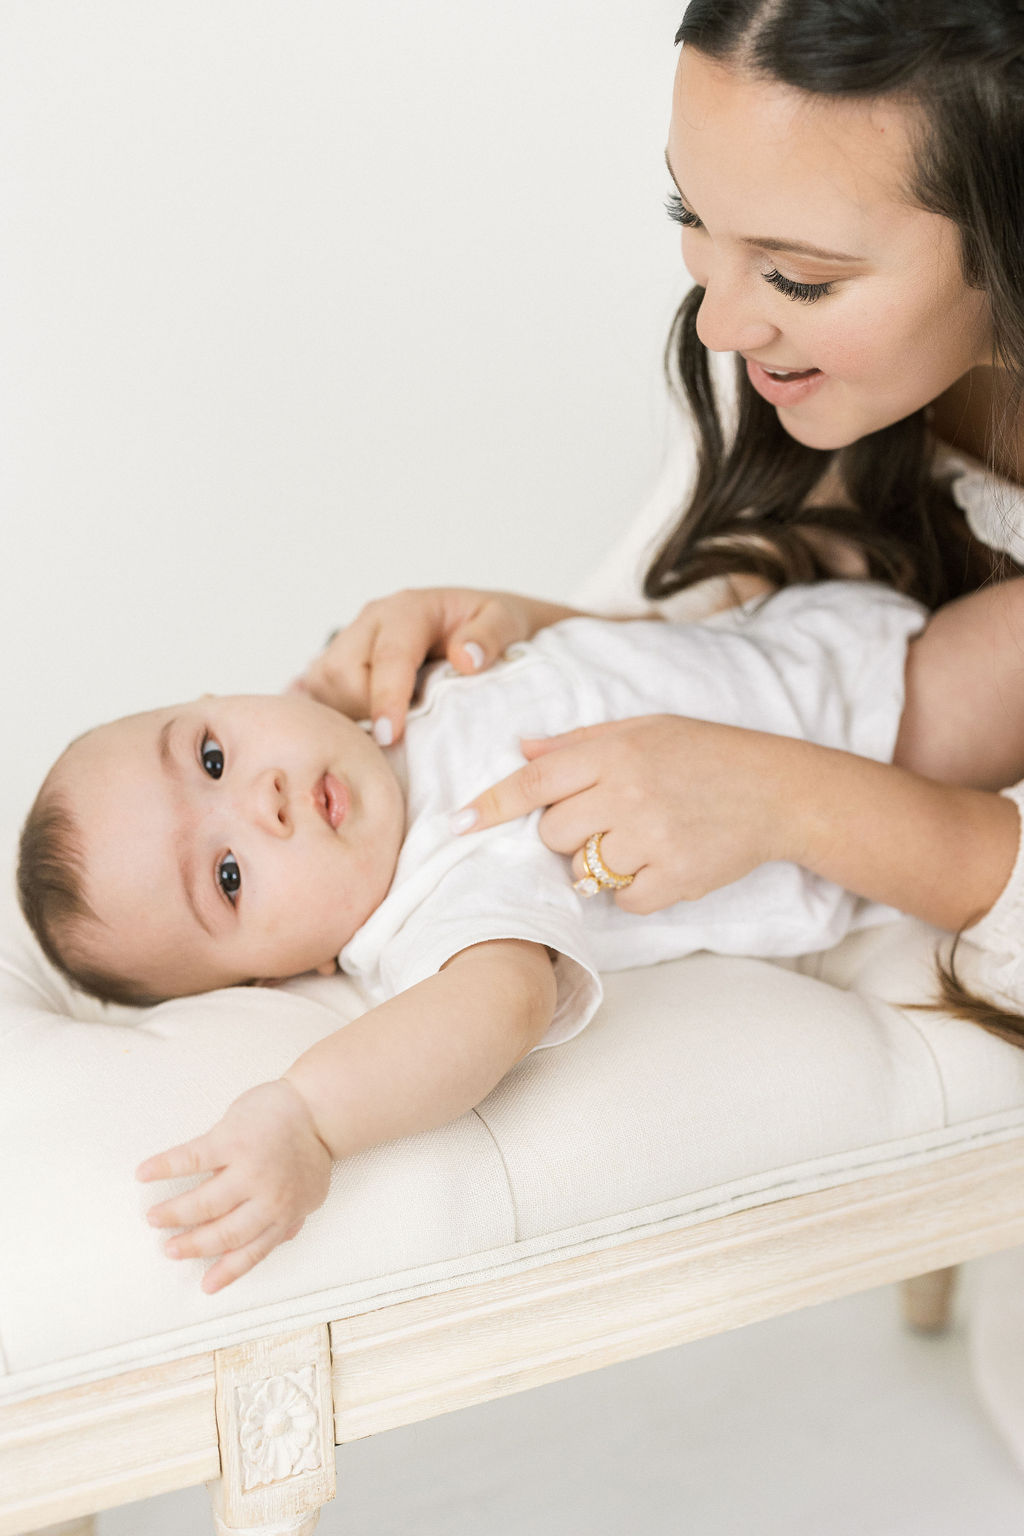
{"x": 786, "y": 387}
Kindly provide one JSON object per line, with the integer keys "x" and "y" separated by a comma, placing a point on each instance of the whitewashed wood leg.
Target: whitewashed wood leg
{"x": 275, "y": 1425}
{"x": 928, "y": 1300}
{"x": 85, "y": 1525}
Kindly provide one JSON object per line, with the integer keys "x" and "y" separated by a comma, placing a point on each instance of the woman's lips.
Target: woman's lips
{"x": 331, "y": 798}
{"x": 783, "y": 391}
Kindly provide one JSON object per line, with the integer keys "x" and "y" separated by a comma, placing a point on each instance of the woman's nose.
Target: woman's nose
{"x": 728, "y": 321}
{"x": 267, "y": 797}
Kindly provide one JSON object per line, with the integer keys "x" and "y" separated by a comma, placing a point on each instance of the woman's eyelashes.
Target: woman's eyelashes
{"x": 679, "y": 213}
{"x": 211, "y": 755}
{"x": 804, "y": 293}
{"x": 229, "y": 877}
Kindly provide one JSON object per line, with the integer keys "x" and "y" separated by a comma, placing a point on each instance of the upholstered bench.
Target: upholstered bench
{"x": 729, "y": 1139}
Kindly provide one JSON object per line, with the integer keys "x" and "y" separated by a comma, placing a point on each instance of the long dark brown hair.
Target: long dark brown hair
{"x": 753, "y": 507}
{"x": 961, "y": 62}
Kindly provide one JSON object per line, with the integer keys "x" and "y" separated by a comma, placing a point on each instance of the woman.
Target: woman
{"x": 849, "y": 182}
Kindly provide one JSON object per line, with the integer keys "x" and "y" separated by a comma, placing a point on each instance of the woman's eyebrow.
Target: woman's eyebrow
{"x": 765, "y": 243}
{"x": 186, "y": 866}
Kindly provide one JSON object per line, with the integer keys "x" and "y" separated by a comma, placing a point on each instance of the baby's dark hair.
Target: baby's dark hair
{"x": 51, "y": 893}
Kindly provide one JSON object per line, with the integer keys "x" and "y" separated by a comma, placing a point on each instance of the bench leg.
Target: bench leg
{"x": 927, "y": 1301}
{"x": 85, "y": 1525}
{"x": 275, "y": 1425}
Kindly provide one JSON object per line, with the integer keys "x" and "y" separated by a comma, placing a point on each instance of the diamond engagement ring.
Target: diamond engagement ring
{"x": 598, "y": 876}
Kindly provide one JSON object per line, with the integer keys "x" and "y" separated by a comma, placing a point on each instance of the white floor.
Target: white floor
{"x": 831, "y": 1422}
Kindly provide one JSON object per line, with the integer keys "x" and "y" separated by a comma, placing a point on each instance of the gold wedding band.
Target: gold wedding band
{"x": 598, "y": 876}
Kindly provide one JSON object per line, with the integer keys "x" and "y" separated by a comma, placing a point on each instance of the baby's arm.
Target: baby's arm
{"x": 418, "y": 1061}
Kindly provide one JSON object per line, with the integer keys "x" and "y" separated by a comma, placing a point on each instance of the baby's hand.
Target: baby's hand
{"x": 268, "y": 1170}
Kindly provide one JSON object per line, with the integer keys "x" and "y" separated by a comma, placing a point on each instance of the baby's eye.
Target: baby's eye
{"x": 229, "y": 877}
{"x": 212, "y": 757}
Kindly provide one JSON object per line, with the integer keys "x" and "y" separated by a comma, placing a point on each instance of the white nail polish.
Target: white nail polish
{"x": 475, "y": 653}
{"x": 463, "y": 820}
{"x": 383, "y": 731}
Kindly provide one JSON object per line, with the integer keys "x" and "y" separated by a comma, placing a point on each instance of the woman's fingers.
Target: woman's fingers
{"x": 533, "y": 747}
{"x": 369, "y": 668}
{"x": 557, "y": 767}
{"x": 538, "y": 783}
{"x": 613, "y": 852}
{"x": 394, "y": 664}
{"x": 486, "y": 635}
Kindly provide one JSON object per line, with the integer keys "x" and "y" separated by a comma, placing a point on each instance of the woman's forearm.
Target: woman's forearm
{"x": 936, "y": 851}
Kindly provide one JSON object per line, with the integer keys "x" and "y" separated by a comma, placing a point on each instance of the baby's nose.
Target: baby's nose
{"x": 269, "y": 802}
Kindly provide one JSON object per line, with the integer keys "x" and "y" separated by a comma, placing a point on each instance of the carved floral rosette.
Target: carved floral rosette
{"x": 279, "y": 1427}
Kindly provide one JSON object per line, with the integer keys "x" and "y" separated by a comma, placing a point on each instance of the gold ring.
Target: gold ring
{"x": 598, "y": 876}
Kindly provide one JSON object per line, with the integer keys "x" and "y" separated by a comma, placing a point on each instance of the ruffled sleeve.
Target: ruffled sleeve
{"x": 992, "y": 507}
{"x": 998, "y": 971}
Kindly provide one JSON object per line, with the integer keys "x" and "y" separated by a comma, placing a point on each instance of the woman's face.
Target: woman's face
{"x": 876, "y": 319}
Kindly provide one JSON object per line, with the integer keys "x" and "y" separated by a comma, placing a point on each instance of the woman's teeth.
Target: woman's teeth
{"x": 789, "y": 373}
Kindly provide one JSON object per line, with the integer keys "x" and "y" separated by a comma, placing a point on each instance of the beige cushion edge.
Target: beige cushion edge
{"x": 705, "y": 1205}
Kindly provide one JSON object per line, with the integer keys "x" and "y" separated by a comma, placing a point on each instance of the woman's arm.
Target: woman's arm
{"x": 937, "y": 851}
{"x": 691, "y": 806}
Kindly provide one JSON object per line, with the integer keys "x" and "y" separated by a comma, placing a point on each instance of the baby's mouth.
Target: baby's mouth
{"x": 331, "y": 799}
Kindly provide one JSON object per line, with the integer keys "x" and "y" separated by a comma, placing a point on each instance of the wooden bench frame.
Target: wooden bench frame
{"x": 258, "y": 1422}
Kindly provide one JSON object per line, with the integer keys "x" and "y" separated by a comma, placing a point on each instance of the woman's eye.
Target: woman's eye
{"x": 679, "y": 213}
{"x": 229, "y": 877}
{"x": 212, "y": 757}
{"x": 805, "y": 292}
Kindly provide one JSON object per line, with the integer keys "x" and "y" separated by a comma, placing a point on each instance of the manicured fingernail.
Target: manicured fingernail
{"x": 383, "y": 731}
{"x": 475, "y": 653}
{"x": 463, "y": 820}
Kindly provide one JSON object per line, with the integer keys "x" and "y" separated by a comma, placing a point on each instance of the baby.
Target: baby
{"x": 239, "y": 840}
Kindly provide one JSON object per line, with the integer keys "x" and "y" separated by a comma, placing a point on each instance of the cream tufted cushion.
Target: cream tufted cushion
{"x": 702, "y": 1087}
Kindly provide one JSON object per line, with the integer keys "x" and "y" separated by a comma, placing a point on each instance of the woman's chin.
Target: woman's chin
{"x": 825, "y": 435}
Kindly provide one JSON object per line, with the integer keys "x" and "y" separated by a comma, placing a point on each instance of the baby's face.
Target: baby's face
{"x": 231, "y": 839}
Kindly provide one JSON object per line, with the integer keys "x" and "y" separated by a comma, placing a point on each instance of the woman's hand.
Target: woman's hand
{"x": 268, "y": 1170}
{"x": 685, "y": 804}
{"x": 368, "y": 669}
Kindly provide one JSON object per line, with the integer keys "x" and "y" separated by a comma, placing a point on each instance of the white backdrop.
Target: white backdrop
{"x": 304, "y": 301}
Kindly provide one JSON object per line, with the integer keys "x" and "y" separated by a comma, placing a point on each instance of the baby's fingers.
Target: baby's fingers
{"x": 190, "y": 1157}
{"x": 209, "y": 1201}
{"x": 234, "y": 1229}
{"x": 240, "y": 1260}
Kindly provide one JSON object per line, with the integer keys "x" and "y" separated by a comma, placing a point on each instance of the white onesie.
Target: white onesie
{"x": 822, "y": 662}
